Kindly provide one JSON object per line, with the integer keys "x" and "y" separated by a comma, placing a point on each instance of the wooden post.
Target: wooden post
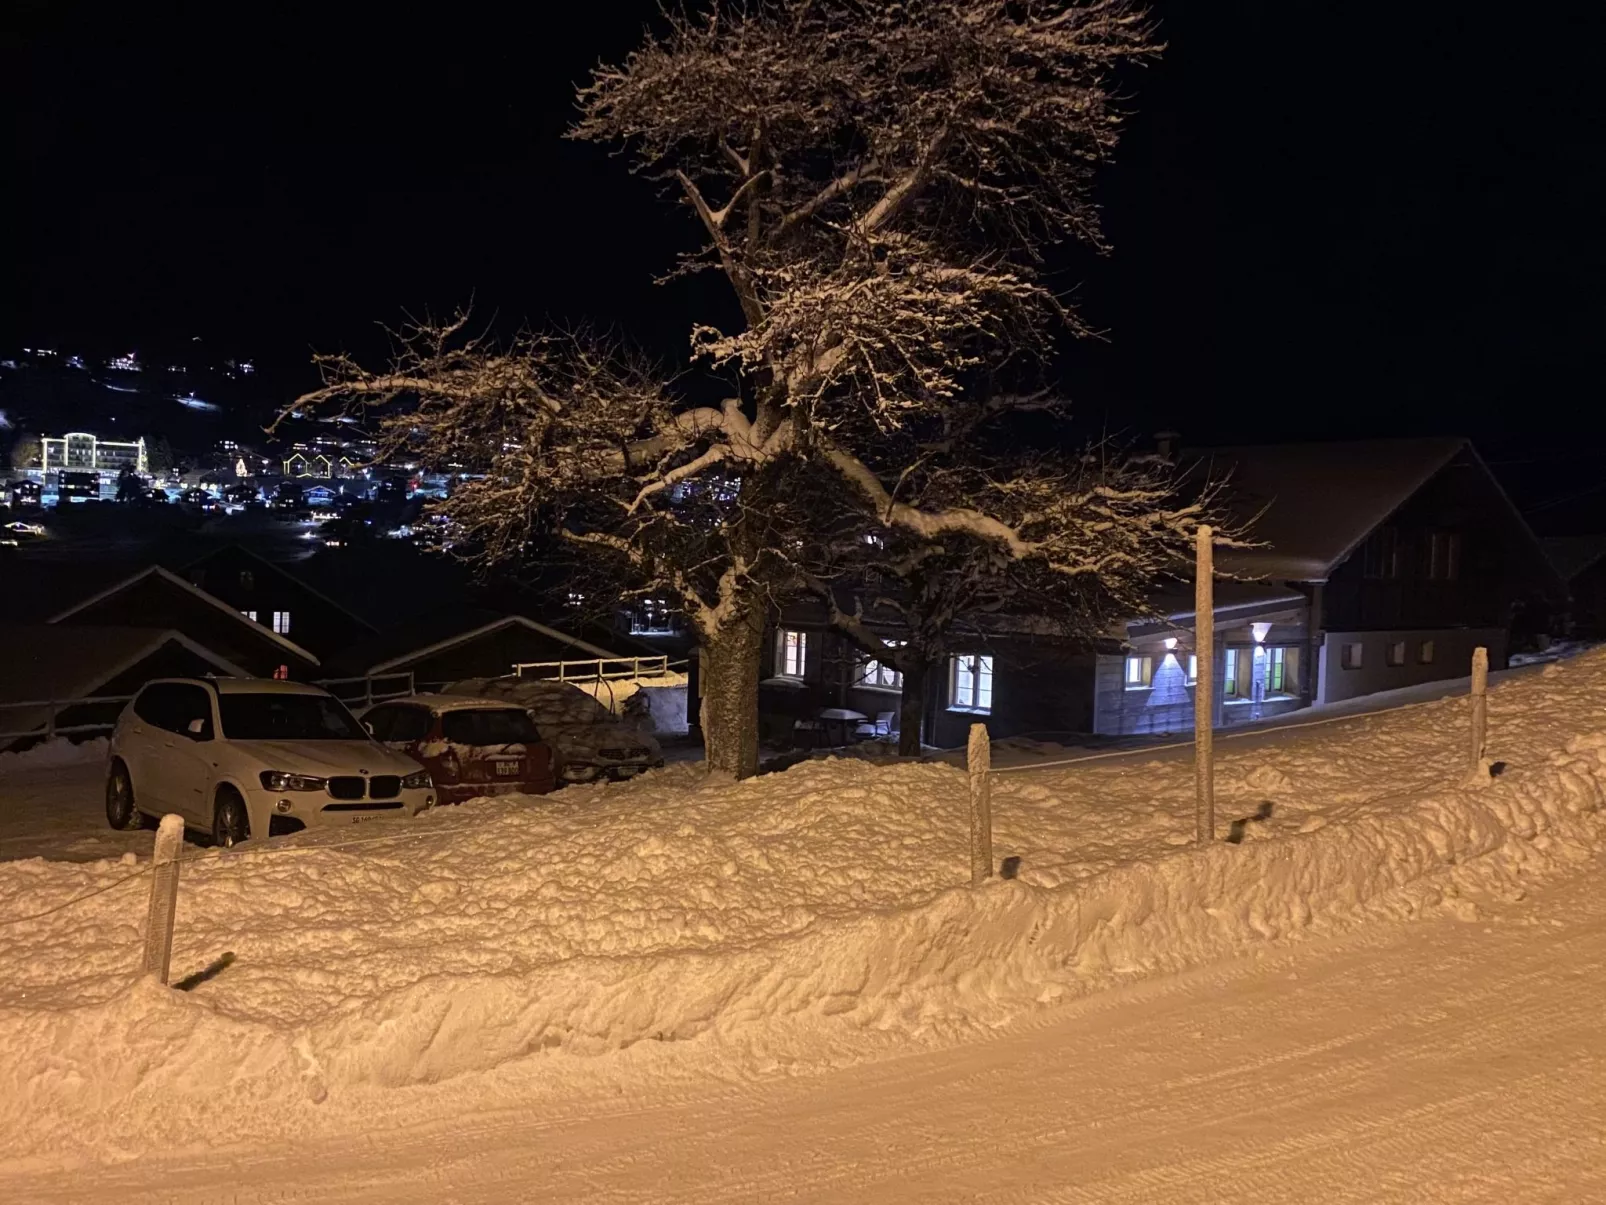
{"x": 1204, "y": 690}
{"x": 164, "y": 896}
{"x": 1480, "y": 705}
{"x": 979, "y": 758}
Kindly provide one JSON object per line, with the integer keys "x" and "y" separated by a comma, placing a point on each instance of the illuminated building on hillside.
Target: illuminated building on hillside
{"x": 81, "y": 451}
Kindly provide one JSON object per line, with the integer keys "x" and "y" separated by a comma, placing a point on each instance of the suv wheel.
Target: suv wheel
{"x": 120, "y": 810}
{"x": 230, "y": 825}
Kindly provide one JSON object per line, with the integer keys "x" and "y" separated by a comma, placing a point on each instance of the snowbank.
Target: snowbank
{"x": 58, "y": 752}
{"x": 806, "y": 916}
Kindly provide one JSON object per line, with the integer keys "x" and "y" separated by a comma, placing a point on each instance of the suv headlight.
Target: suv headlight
{"x": 279, "y": 780}
{"x": 416, "y": 781}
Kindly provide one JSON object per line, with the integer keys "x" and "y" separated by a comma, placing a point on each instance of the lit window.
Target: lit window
{"x": 251, "y": 615}
{"x": 970, "y": 683}
{"x": 878, "y": 674}
{"x": 1193, "y": 668}
{"x": 1139, "y": 672}
{"x": 794, "y": 654}
{"x": 1350, "y": 656}
{"x": 576, "y": 598}
{"x": 1397, "y": 653}
{"x": 1229, "y": 679}
{"x": 1424, "y": 653}
{"x": 652, "y": 617}
{"x": 1282, "y": 670}
{"x": 281, "y": 622}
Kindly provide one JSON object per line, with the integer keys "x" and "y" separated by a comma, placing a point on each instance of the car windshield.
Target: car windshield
{"x": 482, "y": 726}
{"x": 287, "y": 717}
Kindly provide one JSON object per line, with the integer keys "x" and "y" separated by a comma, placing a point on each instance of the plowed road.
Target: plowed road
{"x": 1437, "y": 1061}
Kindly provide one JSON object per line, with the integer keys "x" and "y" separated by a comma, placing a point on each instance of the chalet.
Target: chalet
{"x": 158, "y": 598}
{"x": 74, "y": 679}
{"x": 457, "y": 643}
{"x": 1381, "y": 564}
{"x": 269, "y": 595}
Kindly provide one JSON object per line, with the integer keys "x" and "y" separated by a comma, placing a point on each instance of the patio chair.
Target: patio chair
{"x": 879, "y": 727}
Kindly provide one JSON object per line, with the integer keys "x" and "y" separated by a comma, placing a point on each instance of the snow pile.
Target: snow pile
{"x": 58, "y": 752}
{"x": 815, "y": 914}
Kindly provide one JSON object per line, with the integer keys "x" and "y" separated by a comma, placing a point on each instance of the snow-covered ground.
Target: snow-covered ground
{"x": 1431, "y": 1060}
{"x": 638, "y": 939}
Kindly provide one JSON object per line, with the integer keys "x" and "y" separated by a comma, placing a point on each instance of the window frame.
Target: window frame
{"x": 866, "y": 666}
{"x": 788, "y": 641}
{"x": 1229, "y": 673}
{"x": 1143, "y": 663}
{"x": 1190, "y": 675}
{"x": 1352, "y": 655}
{"x": 1394, "y": 658}
{"x": 1424, "y": 652}
{"x": 978, "y": 700}
{"x": 281, "y": 623}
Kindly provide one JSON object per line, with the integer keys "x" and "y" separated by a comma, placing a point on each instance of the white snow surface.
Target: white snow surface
{"x": 811, "y": 918}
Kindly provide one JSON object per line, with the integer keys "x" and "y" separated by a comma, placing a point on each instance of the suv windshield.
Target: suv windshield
{"x": 287, "y": 717}
{"x": 481, "y": 726}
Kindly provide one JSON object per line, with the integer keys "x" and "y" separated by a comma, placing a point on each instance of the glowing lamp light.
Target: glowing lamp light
{"x": 1260, "y": 631}
{"x": 1171, "y": 642}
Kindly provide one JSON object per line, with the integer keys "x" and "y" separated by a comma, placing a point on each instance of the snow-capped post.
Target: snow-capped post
{"x": 1204, "y": 689}
{"x": 979, "y": 759}
{"x": 1480, "y": 705}
{"x": 164, "y": 896}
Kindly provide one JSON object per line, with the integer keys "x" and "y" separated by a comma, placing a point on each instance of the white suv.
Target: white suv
{"x": 248, "y": 757}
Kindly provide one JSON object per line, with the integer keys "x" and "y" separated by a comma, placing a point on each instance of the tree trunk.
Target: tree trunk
{"x": 912, "y": 708}
{"x": 730, "y": 667}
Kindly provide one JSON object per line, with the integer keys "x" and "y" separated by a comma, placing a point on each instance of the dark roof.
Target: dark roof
{"x": 1571, "y": 555}
{"x": 176, "y": 582}
{"x": 49, "y": 661}
{"x": 1312, "y": 504}
{"x": 275, "y": 567}
{"x": 452, "y": 626}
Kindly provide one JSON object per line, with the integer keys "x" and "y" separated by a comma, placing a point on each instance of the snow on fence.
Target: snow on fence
{"x": 45, "y": 726}
{"x": 606, "y": 669}
{"x": 352, "y": 691}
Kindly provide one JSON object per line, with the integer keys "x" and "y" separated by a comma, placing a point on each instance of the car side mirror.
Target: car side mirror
{"x": 369, "y": 728}
{"x": 197, "y": 730}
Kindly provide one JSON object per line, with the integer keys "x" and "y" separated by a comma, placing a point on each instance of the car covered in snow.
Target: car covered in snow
{"x": 589, "y": 742}
{"x": 470, "y": 746}
{"x": 248, "y": 757}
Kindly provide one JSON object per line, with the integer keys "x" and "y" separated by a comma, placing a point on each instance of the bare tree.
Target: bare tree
{"x": 876, "y": 183}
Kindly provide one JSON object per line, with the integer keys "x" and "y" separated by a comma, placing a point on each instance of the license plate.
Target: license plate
{"x": 627, "y": 771}
{"x": 507, "y": 769}
{"x": 360, "y": 819}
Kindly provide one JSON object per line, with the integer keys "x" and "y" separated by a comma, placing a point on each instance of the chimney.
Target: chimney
{"x": 1168, "y": 444}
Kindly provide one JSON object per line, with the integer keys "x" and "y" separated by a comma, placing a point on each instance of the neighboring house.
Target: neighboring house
{"x": 1383, "y": 564}
{"x": 271, "y": 596}
{"x": 51, "y": 668}
{"x": 455, "y": 644}
{"x": 1581, "y": 561}
{"x": 158, "y": 598}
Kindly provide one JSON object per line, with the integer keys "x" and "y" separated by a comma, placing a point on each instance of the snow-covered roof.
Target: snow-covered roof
{"x": 1314, "y": 503}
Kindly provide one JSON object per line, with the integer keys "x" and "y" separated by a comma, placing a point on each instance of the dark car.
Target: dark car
{"x": 471, "y": 747}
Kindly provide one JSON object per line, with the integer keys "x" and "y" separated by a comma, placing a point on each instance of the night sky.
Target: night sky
{"x": 1329, "y": 221}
